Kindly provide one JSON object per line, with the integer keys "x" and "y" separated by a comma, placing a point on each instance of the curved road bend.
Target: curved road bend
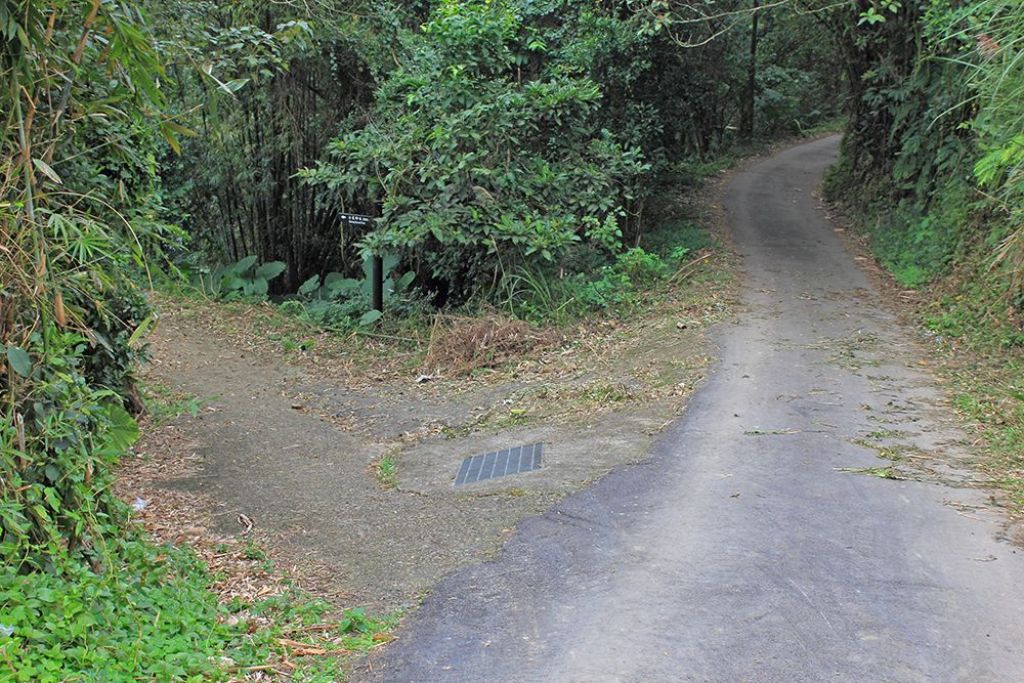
{"x": 740, "y": 551}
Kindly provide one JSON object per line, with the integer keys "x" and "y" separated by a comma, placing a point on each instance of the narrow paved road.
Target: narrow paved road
{"x": 744, "y": 549}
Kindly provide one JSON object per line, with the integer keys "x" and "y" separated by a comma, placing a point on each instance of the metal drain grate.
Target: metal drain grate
{"x": 500, "y": 464}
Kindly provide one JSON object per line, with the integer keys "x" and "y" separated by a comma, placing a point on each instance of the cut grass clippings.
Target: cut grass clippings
{"x": 879, "y": 472}
{"x": 978, "y": 344}
{"x": 772, "y": 432}
{"x": 459, "y": 344}
{"x": 987, "y": 385}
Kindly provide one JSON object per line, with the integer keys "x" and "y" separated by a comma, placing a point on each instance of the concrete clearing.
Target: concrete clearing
{"x": 295, "y": 449}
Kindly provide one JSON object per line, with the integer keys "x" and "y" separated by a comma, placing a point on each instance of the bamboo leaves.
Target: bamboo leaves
{"x": 46, "y": 170}
{"x": 81, "y": 98}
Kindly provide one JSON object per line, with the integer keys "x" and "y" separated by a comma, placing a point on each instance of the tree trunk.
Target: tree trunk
{"x": 747, "y": 115}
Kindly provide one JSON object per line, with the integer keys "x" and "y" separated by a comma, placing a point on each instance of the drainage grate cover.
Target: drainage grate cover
{"x": 499, "y": 464}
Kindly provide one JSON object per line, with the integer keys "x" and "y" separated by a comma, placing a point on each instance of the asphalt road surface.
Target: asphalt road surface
{"x": 754, "y": 545}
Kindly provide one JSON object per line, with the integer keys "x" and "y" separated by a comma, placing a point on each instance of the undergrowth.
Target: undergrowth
{"x": 529, "y": 309}
{"x": 386, "y": 471}
{"x": 982, "y": 343}
{"x": 625, "y": 284}
{"x": 149, "y": 616}
{"x": 164, "y": 404}
{"x": 153, "y": 616}
{"x": 918, "y": 244}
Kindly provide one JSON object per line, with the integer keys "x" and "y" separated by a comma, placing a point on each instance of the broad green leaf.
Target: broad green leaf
{"x": 243, "y": 264}
{"x": 369, "y": 318}
{"x": 51, "y": 496}
{"x": 310, "y": 286}
{"x": 234, "y": 284}
{"x": 122, "y": 431}
{"x": 332, "y": 279}
{"x": 404, "y": 282}
{"x": 19, "y": 360}
{"x": 257, "y": 287}
{"x": 270, "y": 270}
{"x": 343, "y": 286}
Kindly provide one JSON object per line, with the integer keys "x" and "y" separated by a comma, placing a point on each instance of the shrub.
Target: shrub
{"x": 640, "y": 267}
{"x": 483, "y": 147}
{"x": 338, "y": 302}
{"x": 56, "y": 455}
{"x": 243, "y": 278}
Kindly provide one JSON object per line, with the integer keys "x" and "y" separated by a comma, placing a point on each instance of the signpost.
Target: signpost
{"x": 356, "y": 220}
{"x": 377, "y": 280}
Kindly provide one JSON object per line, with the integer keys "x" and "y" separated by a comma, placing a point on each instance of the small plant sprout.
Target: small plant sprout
{"x": 386, "y": 471}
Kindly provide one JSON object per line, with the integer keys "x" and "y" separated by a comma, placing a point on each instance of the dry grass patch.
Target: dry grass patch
{"x": 459, "y": 344}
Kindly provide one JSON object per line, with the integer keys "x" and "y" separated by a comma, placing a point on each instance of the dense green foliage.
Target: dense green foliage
{"x": 906, "y": 143}
{"x": 83, "y": 596}
{"x": 154, "y": 617}
{"x": 156, "y": 621}
{"x": 935, "y": 129}
{"x": 262, "y": 88}
{"x": 81, "y": 134}
{"x": 531, "y": 136}
{"x": 998, "y": 82}
{"x": 487, "y": 147}
{"x": 932, "y": 167}
{"x": 82, "y": 128}
{"x": 498, "y": 143}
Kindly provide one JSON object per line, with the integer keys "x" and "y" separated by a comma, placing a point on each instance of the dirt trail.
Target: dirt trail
{"x": 764, "y": 539}
{"x": 292, "y": 447}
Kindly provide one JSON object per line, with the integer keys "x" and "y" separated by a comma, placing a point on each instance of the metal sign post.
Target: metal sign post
{"x": 377, "y": 278}
{"x": 355, "y": 220}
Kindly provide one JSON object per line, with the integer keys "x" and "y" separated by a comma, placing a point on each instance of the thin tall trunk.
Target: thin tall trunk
{"x": 747, "y": 116}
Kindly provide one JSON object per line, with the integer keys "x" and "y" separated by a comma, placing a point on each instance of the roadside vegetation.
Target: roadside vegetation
{"x": 931, "y": 171}
{"x": 525, "y": 167}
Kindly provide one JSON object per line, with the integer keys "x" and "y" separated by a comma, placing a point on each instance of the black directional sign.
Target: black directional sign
{"x": 356, "y": 220}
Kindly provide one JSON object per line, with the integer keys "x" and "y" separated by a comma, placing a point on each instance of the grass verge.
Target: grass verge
{"x": 969, "y": 320}
{"x": 989, "y": 386}
{"x": 151, "y": 612}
